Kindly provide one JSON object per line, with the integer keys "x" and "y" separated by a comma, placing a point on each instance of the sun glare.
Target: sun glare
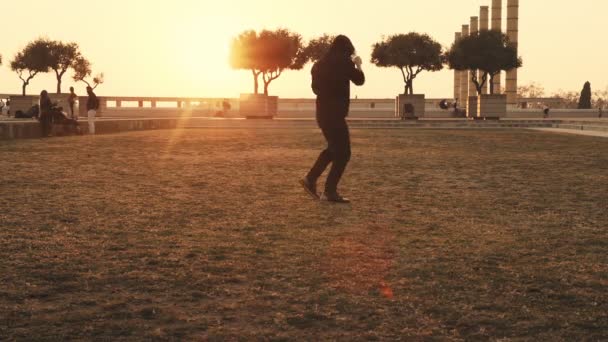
{"x": 201, "y": 49}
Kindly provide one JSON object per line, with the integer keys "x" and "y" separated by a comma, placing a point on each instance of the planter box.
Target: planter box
{"x": 492, "y": 106}
{"x": 410, "y": 106}
{"x": 255, "y": 106}
{"x": 24, "y": 103}
{"x": 472, "y": 107}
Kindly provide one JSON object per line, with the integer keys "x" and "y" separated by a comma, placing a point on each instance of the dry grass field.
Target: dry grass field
{"x": 204, "y": 234}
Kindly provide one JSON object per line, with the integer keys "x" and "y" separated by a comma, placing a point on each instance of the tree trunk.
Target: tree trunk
{"x": 266, "y": 84}
{"x": 256, "y": 84}
{"x": 409, "y": 87}
{"x": 58, "y": 84}
{"x": 491, "y": 84}
{"x": 23, "y": 88}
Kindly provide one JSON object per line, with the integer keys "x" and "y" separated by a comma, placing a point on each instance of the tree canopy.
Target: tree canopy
{"x": 584, "y": 101}
{"x": 318, "y": 47}
{"x": 488, "y": 51}
{"x": 412, "y": 53}
{"x": 62, "y": 57}
{"x": 268, "y": 53}
{"x": 531, "y": 90}
{"x": 82, "y": 71}
{"x": 30, "y": 61}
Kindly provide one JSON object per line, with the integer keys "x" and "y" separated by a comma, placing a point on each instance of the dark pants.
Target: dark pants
{"x": 337, "y": 153}
{"x": 46, "y": 121}
{"x": 72, "y": 114}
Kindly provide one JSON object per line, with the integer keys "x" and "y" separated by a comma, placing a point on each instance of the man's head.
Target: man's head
{"x": 71, "y": 89}
{"x": 342, "y": 46}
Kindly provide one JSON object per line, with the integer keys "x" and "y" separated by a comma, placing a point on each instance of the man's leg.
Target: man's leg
{"x": 44, "y": 125}
{"x": 91, "y": 119}
{"x": 320, "y": 165}
{"x": 339, "y": 145}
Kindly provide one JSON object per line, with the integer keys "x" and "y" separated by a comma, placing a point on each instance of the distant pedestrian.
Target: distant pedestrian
{"x": 45, "y": 116}
{"x": 71, "y": 103}
{"x": 92, "y": 107}
{"x": 331, "y": 77}
{"x": 226, "y": 106}
{"x": 546, "y": 110}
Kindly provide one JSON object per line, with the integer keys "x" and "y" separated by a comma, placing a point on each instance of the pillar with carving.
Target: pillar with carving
{"x": 497, "y": 25}
{"x": 484, "y": 25}
{"x": 513, "y": 34}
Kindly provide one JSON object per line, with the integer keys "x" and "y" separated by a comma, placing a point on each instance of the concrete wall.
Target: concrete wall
{"x": 31, "y": 129}
{"x": 554, "y": 114}
{"x": 24, "y": 103}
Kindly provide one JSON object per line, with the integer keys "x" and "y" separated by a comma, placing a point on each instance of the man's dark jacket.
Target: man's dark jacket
{"x": 92, "y": 102}
{"x": 331, "y": 77}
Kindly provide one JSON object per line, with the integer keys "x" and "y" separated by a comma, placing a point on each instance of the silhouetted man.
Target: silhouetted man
{"x": 331, "y": 77}
{"x": 92, "y": 107}
{"x": 71, "y": 103}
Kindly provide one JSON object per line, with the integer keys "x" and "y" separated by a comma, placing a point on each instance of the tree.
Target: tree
{"x": 268, "y": 53}
{"x": 62, "y": 57}
{"x": 317, "y": 48}
{"x": 569, "y": 98}
{"x": 31, "y": 61}
{"x": 279, "y": 50}
{"x": 82, "y": 70}
{"x": 488, "y": 51}
{"x": 600, "y": 98}
{"x": 245, "y": 54}
{"x": 585, "y": 100}
{"x": 532, "y": 90}
{"x": 412, "y": 53}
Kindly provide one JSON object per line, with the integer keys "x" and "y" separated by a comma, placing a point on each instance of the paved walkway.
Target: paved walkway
{"x": 573, "y": 131}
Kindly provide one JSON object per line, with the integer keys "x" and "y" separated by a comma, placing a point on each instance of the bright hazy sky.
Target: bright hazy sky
{"x": 180, "y": 47}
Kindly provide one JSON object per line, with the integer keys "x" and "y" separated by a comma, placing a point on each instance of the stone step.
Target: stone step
{"x": 593, "y": 128}
{"x": 583, "y": 123}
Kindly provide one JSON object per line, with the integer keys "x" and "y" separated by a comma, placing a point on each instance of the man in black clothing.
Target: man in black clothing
{"x": 331, "y": 77}
{"x": 92, "y": 107}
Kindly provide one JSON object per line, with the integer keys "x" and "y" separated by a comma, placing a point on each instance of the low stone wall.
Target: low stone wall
{"x": 19, "y": 130}
{"x": 553, "y": 114}
{"x": 31, "y": 129}
{"x": 24, "y": 129}
{"x": 24, "y": 103}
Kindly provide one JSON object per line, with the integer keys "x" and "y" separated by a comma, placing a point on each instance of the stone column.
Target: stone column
{"x": 513, "y": 34}
{"x": 464, "y": 76}
{"x": 473, "y": 29}
{"x": 484, "y": 25}
{"x": 497, "y": 25}
{"x": 457, "y": 75}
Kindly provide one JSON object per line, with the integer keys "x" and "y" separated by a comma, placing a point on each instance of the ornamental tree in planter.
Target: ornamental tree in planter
{"x": 63, "y": 56}
{"x": 83, "y": 71}
{"x": 489, "y": 52}
{"x": 412, "y": 53}
{"x": 31, "y": 61}
{"x": 268, "y": 54}
{"x": 318, "y": 47}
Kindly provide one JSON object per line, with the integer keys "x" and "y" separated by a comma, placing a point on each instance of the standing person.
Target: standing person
{"x": 45, "y": 116}
{"x": 92, "y": 106}
{"x": 71, "y": 102}
{"x": 331, "y": 77}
